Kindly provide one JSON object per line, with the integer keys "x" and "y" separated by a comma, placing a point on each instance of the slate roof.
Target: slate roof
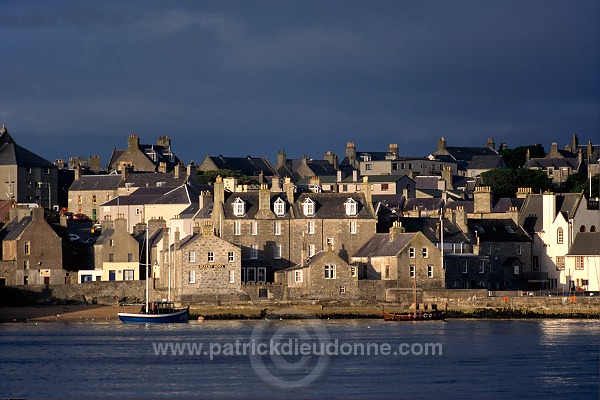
{"x": 531, "y": 215}
{"x": 427, "y": 182}
{"x": 390, "y": 200}
{"x": 96, "y": 182}
{"x": 163, "y": 155}
{"x": 145, "y": 179}
{"x": 429, "y": 204}
{"x": 467, "y": 153}
{"x": 486, "y": 162}
{"x": 546, "y": 163}
{"x": 380, "y": 246}
{"x": 331, "y": 206}
{"x": 468, "y": 205}
{"x": 319, "y": 167}
{"x": 249, "y": 166}
{"x": 586, "y": 244}
{"x": 312, "y": 260}
{"x": 428, "y": 227}
{"x": 146, "y": 196}
{"x": 503, "y": 204}
{"x": 13, "y": 154}
{"x": 184, "y": 194}
{"x": 14, "y": 229}
{"x": 498, "y": 230}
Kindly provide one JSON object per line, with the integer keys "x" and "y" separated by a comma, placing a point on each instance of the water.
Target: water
{"x": 491, "y": 359}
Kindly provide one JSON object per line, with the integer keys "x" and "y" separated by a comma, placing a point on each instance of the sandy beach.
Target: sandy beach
{"x": 67, "y": 313}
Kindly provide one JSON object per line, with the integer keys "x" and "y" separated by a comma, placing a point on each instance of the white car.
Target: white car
{"x": 74, "y": 237}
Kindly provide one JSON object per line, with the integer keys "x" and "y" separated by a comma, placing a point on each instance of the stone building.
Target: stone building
{"x": 406, "y": 258}
{"x": 248, "y": 166}
{"x": 558, "y": 164}
{"x": 324, "y": 276}
{"x": 116, "y": 253}
{"x": 31, "y": 250}
{"x": 27, "y": 178}
{"x": 471, "y": 161}
{"x": 204, "y": 264}
{"x": 144, "y": 157}
{"x": 582, "y": 263}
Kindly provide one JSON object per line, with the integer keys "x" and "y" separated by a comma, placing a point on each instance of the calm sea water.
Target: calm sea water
{"x": 530, "y": 359}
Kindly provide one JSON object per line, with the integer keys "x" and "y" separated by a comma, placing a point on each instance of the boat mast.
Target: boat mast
{"x": 169, "y": 263}
{"x": 147, "y": 272}
{"x": 442, "y": 237}
{"x": 415, "y": 289}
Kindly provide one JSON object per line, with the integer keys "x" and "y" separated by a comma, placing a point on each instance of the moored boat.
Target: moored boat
{"x": 433, "y": 315}
{"x": 158, "y": 312}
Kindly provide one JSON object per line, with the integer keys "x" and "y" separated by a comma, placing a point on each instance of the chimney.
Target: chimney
{"x": 133, "y": 142}
{"x": 554, "y": 151}
{"x": 288, "y": 188}
{"x": 441, "y": 146}
{"x": 126, "y": 170}
{"x": 447, "y": 176}
{"x": 482, "y": 199}
{"x": 164, "y": 141}
{"x": 437, "y": 230}
{"x": 120, "y": 225}
{"x": 365, "y": 188}
{"x": 261, "y": 178}
{"x": 527, "y": 156}
{"x": 579, "y": 156}
{"x": 459, "y": 218}
{"x": 522, "y": 193}
{"x": 350, "y": 151}
{"x": 204, "y": 199}
{"x": 178, "y": 171}
{"x": 549, "y": 210}
{"x": 276, "y": 184}
{"x": 162, "y": 167}
{"x": 219, "y": 190}
{"x": 395, "y": 230}
{"x": 155, "y": 224}
{"x": 315, "y": 181}
{"x": 441, "y": 184}
{"x": 264, "y": 198}
{"x": 37, "y": 214}
{"x": 191, "y": 169}
{"x": 513, "y": 213}
{"x": 332, "y": 159}
{"x": 281, "y": 159}
{"x": 176, "y": 239}
{"x": 406, "y": 192}
{"x": 574, "y": 143}
{"x": 207, "y": 229}
{"x": 95, "y": 163}
{"x": 490, "y": 144}
{"x": 393, "y": 150}
{"x": 77, "y": 172}
{"x": 503, "y": 146}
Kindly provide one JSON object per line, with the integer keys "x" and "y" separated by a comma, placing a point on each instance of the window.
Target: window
{"x": 111, "y": 257}
{"x": 560, "y": 263}
{"x": 230, "y": 256}
{"x": 353, "y": 271}
{"x": 262, "y": 274}
{"x": 27, "y": 248}
{"x": 353, "y": 227}
{"x": 395, "y": 166}
{"x": 311, "y": 227}
{"x": 368, "y": 167}
{"x": 412, "y": 252}
{"x": 412, "y": 271}
{"x": 80, "y": 199}
{"x": 298, "y": 276}
{"x": 28, "y": 170}
{"x": 351, "y": 207}
{"x": 239, "y": 207}
{"x": 387, "y": 272}
{"x": 559, "y": 235}
{"x": 330, "y": 242}
{"x": 254, "y": 228}
{"x": 519, "y": 249}
{"x": 25, "y": 264}
{"x": 277, "y": 251}
{"x": 192, "y": 276}
{"x": 279, "y": 207}
{"x": 308, "y": 207}
{"x": 111, "y": 243}
{"x": 481, "y": 267}
{"x": 516, "y": 269}
{"x": 210, "y": 257}
{"x": 94, "y": 199}
{"x": 329, "y": 271}
{"x": 582, "y": 228}
{"x": 129, "y": 257}
{"x": 237, "y": 228}
{"x": 311, "y": 250}
{"x": 231, "y": 276}
{"x": 579, "y": 263}
{"x": 192, "y": 256}
{"x": 342, "y": 289}
{"x": 430, "y": 271}
{"x": 424, "y": 252}
{"x": 128, "y": 275}
{"x": 253, "y": 251}
{"x": 385, "y": 187}
{"x": 277, "y": 228}
{"x": 490, "y": 249}
{"x": 137, "y": 211}
{"x": 465, "y": 267}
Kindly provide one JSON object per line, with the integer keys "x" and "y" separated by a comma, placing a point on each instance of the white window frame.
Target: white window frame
{"x": 430, "y": 271}
{"x": 277, "y": 249}
{"x": 261, "y": 274}
{"x": 276, "y": 228}
{"x": 425, "y": 252}
{"x": 412, "y": 252}
{"x": 310, "y": 227}
{"x": 279, "y": 207}
{"x": 342, "y": 289}
{"x": 231, "y": 274}
{"x": 210, "y": 257}
{"x": 191, "y": 256}
{"x": 412, "y": 270}
{"x": 351, "y": 207}
{"x": 308, "y": 207}
{"x": 311, "y": 250}
{"x": 239, "y": 207}
{"x": 237, "y": 228}
{"x": 330, "y": 242}
{"x": 353, "y": 271}
{"x": 329, "y": 271}
{"x": 353, "y": 229}
{"x": 230, "y": 256}
{"x": 560, "y": 236}
{"x": 298, "y": 276}
{"x": 253, "y": 228}
{"x": 253, "y": 251}
{"x": 128, "y": 275}
{"x": 191, "y": 276}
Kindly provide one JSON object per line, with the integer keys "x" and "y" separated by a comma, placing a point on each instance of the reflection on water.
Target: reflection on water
{"x": 481, "y": 358}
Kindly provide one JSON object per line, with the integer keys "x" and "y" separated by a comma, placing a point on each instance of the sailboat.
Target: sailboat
{"x": 156, "y": 311}
{"x": 425, "y": 315}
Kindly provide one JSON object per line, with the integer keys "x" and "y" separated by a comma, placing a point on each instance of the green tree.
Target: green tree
{"x": 209, "y": 177}
{"x": 578, "y": 183}
{"x": 516, "y": 158}
{"x": 505, "y": 182}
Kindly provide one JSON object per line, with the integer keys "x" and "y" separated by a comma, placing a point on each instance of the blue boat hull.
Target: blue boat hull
{"x": 181, "y": 316}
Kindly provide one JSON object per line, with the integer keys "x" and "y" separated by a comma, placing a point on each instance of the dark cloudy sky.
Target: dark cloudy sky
{"x": 252, "y": 77}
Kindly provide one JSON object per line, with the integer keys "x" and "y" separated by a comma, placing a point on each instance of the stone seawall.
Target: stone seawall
{"x": 461, "y": 303}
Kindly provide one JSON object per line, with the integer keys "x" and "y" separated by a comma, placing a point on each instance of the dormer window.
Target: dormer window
{"x": 279, "y": 207}
{"x": 239, "y": 207}
{"x": 351, "y": 207}
{"x": 308, "y": 207}
{"x": 365, "y": 157}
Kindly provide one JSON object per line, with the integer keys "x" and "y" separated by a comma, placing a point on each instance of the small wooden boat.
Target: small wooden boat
{"x": 158, "y": 312}
{"x": 433, "y": 315}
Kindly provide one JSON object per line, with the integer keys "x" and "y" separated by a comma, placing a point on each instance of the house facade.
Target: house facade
{"x": 157, "y": 157}
{"x": 582, "y": 263}
{"x": 116, "y": 253}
